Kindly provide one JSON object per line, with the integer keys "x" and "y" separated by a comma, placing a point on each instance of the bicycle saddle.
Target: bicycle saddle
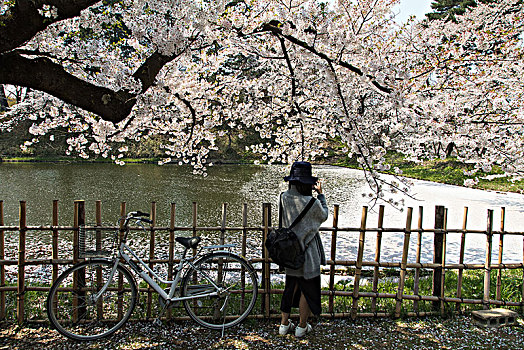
{"x": 191, "y": 242}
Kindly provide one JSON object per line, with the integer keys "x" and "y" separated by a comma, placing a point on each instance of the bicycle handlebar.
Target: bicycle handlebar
{"x": 140, "y": 216}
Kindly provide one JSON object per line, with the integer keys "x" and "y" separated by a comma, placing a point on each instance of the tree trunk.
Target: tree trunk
{"x": 4, "y": 105}
{"x": 449, "y": 149}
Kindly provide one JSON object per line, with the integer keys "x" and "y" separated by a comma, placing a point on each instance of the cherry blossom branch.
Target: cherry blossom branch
{"x": 193, "y": 112}
{"x": 290, "y": 67}
{"x": 273, "y": 28}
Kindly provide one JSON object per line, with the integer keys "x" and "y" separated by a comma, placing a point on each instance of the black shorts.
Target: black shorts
{"x": 295, "y": 286}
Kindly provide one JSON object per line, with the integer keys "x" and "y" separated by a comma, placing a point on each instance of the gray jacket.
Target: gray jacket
{"x": 306, "y": 230}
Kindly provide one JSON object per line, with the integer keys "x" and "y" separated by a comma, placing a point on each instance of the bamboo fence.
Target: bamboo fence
{"x": 268, "y": 304}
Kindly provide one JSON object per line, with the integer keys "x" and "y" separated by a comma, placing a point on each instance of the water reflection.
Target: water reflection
{"x": 140, "y": 184}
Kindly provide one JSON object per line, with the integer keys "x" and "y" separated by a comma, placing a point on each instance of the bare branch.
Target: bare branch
{"x": 273, "y": 28}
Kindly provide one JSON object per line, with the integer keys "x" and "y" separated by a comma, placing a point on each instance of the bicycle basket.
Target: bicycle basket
{"x": 96, "y": 242}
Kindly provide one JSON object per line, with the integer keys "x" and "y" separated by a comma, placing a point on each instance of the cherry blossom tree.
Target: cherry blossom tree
{"x": 300, "y": 73}
{"x": 466, "y": 86}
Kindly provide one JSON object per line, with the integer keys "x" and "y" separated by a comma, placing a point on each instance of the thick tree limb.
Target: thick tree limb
{"x": 45, "y": 75}
{"x": 24, "y": 21}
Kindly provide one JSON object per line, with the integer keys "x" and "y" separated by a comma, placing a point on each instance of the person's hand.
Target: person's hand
{"x": 318, "y": 187}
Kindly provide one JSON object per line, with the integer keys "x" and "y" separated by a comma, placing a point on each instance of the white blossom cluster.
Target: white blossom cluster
{"x": 48, "y": 11}
{"x": 6, "y": 6}
{"x": 344, "y": 72}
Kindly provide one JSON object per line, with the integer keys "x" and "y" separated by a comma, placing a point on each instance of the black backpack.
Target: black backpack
{"x": 282, "y": 243}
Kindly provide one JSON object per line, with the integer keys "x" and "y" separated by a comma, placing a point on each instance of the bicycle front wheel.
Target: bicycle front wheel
{"x": 75, "y": 307}
{"x": 224, "y": 287}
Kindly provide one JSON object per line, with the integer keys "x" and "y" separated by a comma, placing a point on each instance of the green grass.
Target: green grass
{"x": 472, "y": 288}
{"x": 448, "y": 171}
{"x": 76, "y": 160}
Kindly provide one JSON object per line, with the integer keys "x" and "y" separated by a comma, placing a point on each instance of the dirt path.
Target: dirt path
{"x": 425, "y": 333}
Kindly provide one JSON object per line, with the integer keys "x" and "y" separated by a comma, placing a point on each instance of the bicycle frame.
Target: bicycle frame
{"x": 84, "y": 311}
{"x": 139, "y": 269}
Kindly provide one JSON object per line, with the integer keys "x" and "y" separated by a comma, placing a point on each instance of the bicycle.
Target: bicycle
{"x": 96, "y": 297}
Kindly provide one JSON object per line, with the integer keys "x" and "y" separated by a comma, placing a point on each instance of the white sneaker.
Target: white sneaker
{"x": 283, "y": 329}
{"x": 300, "y": 332}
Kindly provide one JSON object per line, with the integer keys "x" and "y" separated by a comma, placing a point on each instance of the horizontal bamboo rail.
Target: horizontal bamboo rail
{"x": 268, "y": 307}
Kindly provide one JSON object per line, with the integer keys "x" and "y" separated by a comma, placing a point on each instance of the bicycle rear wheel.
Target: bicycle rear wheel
{"x": 237, "y": 290}
{"x": 73, "y": 310}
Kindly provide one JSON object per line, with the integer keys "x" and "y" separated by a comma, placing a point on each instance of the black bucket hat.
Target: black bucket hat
{"x": 301, "y": 172}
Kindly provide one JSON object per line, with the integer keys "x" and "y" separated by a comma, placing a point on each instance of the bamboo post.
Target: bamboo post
{"x": 75, "y": 232}
{"x": 487, "y": 265}
{"x": 75, "y": 260}
{"x": 501, "y": 247}
{"x": 81, "y": 223}
{"x": 2, "y": 267}
{"x": 151, "y": 257}
{"x": 358, "y": 267}
{"x": 223, "y": 224}
{"x": 98, "y": 223}
{"x": 266, "y": 307}
{"x": 244, "y": 230}
{"x": 243, "y": 252}
{"x": 220, "y": 272}
{"x": 98, "y": 246}
{"x": 123, "y": 211}
{"x": 171, "y": 241}
{"x": 195, "y": 214}
{"x": 405, "y": 252}
{"x": 55, "y": 241}
{"x": 120, "y": 301}
{"x": 461, "y": 255}
{"x": 79, "y": 276}
{"x": 443, "y": 279}
{"x": 194, "y": 230}
{"x": 171, "y": 261}
{"x": 437, "y": 254}
{"x": 377, "y": 257}
{"x": 21, "y": 263}
{"x": 416, "y": 285}
{"x": 333, "y": 258}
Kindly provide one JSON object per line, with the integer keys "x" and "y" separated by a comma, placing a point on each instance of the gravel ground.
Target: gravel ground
{"x": 422, "y": 333}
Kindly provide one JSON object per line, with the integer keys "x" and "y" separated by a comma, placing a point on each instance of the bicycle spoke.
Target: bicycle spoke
{"x": 73, "y": 310}
{"x": 232, "y": 304}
